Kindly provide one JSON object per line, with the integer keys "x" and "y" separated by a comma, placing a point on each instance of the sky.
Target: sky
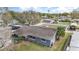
{"x": 55, "y": 6}
{"x": 42, "y": 3}
{"x": 43, "y": 9}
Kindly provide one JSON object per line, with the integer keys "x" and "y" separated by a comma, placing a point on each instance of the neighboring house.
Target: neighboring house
{"x": 62, "y": 18}
{"x": 76, "y": 20}
{"x": 49, "y": 21}
{"x": 73, "y": 26}
{"x": 41, "y": 35}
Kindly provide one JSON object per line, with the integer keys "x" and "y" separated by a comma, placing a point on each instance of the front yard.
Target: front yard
{"x": 30, "y": 46}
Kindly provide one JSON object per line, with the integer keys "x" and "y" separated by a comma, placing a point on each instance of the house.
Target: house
{"x": 42, "y": 35}
{"x": 62, "y": 18}
{"x": 76, "y": 20}
{"x": 73, "y": 26}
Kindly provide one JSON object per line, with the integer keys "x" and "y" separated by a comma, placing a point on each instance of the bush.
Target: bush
{"x": 66, "y": 20}
{"x": 18, "y": 39}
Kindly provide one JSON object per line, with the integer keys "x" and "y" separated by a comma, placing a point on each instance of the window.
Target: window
{"x": 31, "y": 37}
{"x": 43, "y": 40}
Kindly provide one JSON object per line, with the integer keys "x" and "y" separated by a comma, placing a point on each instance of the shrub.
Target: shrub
{"x": 17, "y": 39}
{"x": 66, "y": 20}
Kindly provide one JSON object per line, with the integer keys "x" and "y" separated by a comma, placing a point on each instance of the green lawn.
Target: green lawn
{"x": 30, "y": 46}
{"x": 64, "y": 23}
{"x": 59, "y": 46}
{"x": 55, "y": 26}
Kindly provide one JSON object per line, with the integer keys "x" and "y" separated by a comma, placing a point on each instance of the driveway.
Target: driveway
{"x": 74, "y": 44}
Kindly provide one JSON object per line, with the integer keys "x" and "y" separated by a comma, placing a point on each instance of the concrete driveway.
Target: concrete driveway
{"x": 74, "y": 44}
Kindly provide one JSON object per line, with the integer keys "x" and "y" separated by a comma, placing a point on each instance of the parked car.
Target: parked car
{"x": 14, "y": 27}
{"x": 72, "y": 28}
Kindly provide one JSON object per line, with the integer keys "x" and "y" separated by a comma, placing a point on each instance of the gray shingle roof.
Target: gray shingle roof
{"x": 42, "y": 32}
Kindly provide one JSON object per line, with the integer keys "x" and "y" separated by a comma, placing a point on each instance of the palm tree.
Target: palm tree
{"x": 60, "y": 32}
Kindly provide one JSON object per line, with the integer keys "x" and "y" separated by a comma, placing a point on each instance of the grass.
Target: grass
{"x": 55, "y": 26}
{"x": 64, "y": 23}
{"x": 59, "y": 46}
{"x": 30, "y": 46}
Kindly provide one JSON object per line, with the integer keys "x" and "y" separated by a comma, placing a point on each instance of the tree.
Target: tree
{"x": 31, "y": 17}
{"x": 17, "y": 39}
{"x": 60, "y": 32}
{"x": 28, "y": 17}
{"x": 5, "y": 16}
{"x": 65, "y": 14}
{"x": 75, "y": 14}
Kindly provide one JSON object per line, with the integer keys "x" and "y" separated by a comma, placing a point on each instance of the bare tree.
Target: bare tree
{"x": 4, "y": 14}
{"x": 31, "y": 17}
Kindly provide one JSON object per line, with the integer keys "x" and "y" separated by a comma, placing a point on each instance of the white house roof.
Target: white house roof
{"x": 75, "y": 24}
